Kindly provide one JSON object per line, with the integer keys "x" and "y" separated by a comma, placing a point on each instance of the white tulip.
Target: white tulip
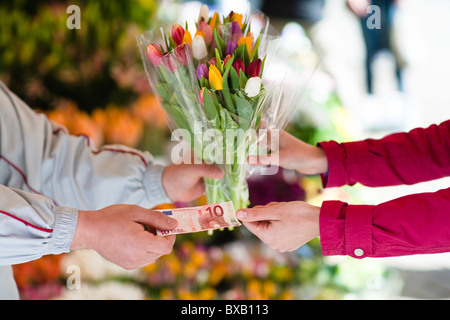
{"x": 199, "y": 47}
{"x": 204, "y": 13}
{"x": 253, "y": 86}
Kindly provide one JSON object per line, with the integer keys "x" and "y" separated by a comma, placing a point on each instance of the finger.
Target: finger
{"x": 257, "y": 214}
{"x": 265, "y": 160}
{"x": 155, "y": 219}
{"x": 205, "y": 170}
{"x": 160, "y": 244}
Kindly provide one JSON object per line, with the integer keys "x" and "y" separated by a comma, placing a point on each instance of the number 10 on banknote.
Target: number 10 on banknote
{"x": 207, "y": 217}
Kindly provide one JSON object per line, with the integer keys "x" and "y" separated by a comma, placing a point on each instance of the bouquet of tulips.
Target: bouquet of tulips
{"x": 210, "y": 83}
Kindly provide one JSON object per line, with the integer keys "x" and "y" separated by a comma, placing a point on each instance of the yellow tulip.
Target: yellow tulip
{"x": 215, "y": 78}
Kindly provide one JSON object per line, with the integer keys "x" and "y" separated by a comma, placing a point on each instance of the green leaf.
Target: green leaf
{"x": 262, "y": 66}
{"x": 163, "y": 91}
{"x": 254, "y": 52}
{"x": 239, "y": 52}
{"x": 234, "y": 79}
{"x": 225, "y": 89}
{"x": 220, "y": 44}
{"x": 242, "y": 79}
{"x": 218, "y": 61}
{"x": 244, "y": 111}
{"x": 210, "y": 107}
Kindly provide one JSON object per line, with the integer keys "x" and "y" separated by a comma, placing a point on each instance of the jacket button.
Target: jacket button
{"x": 359, "y": 252}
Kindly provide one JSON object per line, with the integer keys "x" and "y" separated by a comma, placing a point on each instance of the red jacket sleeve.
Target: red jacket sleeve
{"x": 399, "y": 158}
{"x": 412, "y": 224}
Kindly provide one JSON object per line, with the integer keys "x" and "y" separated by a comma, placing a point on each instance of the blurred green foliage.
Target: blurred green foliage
{"x": 43, "y": 61}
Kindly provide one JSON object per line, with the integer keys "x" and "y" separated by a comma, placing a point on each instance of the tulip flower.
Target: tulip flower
{"x": 225, "y": 60}
{"x": 202, "y": 71}
{"x": 254, "y": 68}
{"x": 180, "y": 54}
{"x": 187, "y": 38}
{"x": 235, "y": 31}
{"x": 237, "y": 17}
{"x": 177, "y": 34}
{"x": 207, "y": 31}
{"x": 212, "y": 61}
{"x": 154, "y": 55}
{"x": 170, "y": 62}
{"x": 204, "y": 13}
{"x": 253, "y": 87}
{"x": 199, "y": 47}
{"x": 231, "y": 46}
{"x": 238, "y": 65}
{"x": 214, "y": 20}
{"x": 248, "y": 42}
{"x": 215, "y": 78}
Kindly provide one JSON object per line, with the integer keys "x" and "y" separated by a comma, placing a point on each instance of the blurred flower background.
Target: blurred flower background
{"x": 92, "y": 81}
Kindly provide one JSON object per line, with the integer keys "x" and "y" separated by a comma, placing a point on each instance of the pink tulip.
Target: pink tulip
{"x": 154, "y": 55}
{"x": 207, "y": 31}
{"x": 169, "y": 62}
{"x": 181, "y": 54}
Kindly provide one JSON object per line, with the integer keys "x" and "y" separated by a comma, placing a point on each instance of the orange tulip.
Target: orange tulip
{"x": 248, "y": 40}
{"x": 214, "y": 20}
{"x": 237, "y": 17}
{"x": 187, "y": 38}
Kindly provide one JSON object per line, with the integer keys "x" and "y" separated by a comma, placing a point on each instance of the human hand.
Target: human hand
{"x": 358, "y": 7}
{"x": 184, "y": 182}
{"x": 118, "y": 234}
{"x": 294, "y": 154}
{"x": 283, "y": 226}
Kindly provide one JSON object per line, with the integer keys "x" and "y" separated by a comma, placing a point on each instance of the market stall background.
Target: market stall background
{"x": 92, "y": 81}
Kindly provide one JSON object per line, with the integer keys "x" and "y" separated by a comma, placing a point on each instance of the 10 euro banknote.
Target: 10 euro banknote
{"x": 201, "y": 218}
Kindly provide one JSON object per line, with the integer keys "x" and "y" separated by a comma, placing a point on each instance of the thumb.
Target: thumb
{"x": 206, "y": 170}
{"x": 156, "y": 219}
{"x": 257, "y": 214}
{"x": 265, "y": 160}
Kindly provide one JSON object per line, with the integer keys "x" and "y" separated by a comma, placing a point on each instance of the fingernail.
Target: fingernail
{"x": 241, "y": 215}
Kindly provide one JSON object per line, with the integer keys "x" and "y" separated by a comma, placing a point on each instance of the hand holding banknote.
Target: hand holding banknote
{"x": 201, "y": 218}
{"x": 283, "y": 226}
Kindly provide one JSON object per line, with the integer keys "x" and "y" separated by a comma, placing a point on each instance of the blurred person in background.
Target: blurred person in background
{"x": 377, "y": 38}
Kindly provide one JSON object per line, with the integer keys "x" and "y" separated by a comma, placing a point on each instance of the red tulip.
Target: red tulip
{"x": 238, "y": 65}
{"x": 154, "y": 55}
{"x": 254, "y": 68}
{"x": 177, "y": 34}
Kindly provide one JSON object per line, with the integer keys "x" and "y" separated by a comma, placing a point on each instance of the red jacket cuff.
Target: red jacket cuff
{"x": 336, "y": 175}
{"x": 346, "y": 229}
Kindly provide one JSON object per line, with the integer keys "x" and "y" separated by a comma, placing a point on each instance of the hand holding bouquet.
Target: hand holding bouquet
{"x": 211, "y": 86}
